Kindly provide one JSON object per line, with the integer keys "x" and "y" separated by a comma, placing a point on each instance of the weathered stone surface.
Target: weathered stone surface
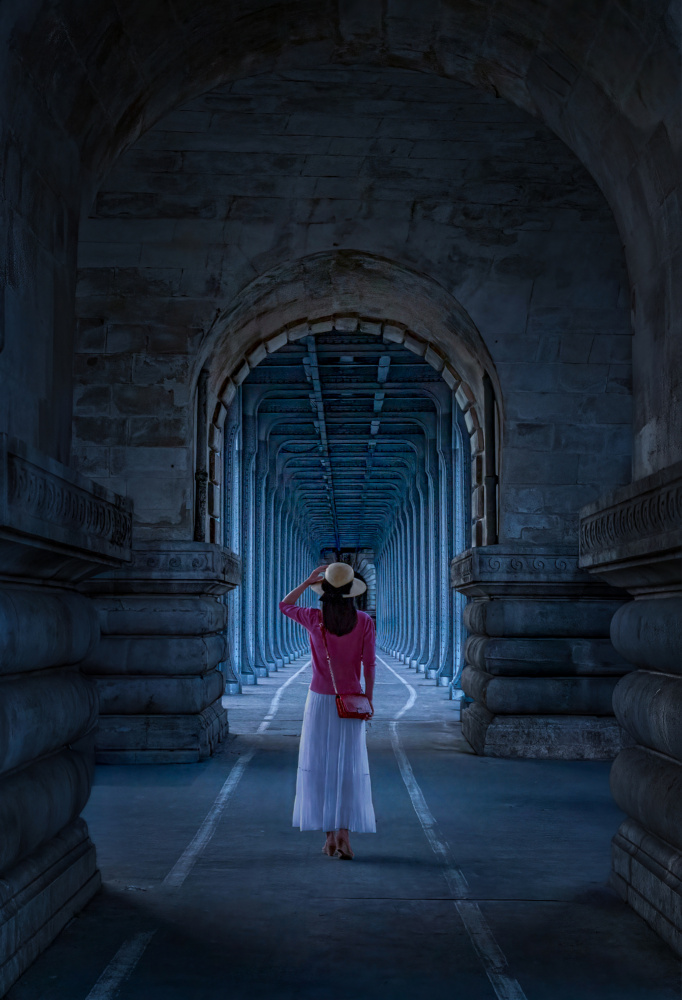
{"x": 633, "y": 536}
{"x": 146, "y": 696}
{"x": 501, "y": 265}
{"x": 56, "y": 529}
{"x": 557, "y": 737}
{"x": 649, "y": 706}
{"x": 648, "y": 787}
{"x": 41, "y": 894}
{"x": 525, "y": 607}
{"x": 27, "y": 731}
{"x": 541, "y": 618}
{"x": 540, "y": 695}
{"x": 649, "y": 633}
{"x": 561, "y": 657}
{"x": 647, "y": 874}
{"x": 167, "y": 568}
{"x": 157, "y": 614}
{"x": 40, "y": 629}
{"x": 39, "y": 800}
{"x": 162, "y": 626}
{"x": 161, "y": 739}
{"x": 149, "y": 654}
{"x": 47, "y": 506}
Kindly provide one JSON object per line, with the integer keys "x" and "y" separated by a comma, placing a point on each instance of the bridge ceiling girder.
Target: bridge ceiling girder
{"x": 344, "y": 425}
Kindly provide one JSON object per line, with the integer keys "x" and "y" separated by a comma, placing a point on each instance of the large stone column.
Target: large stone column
{"x": 163, "y": 635}
{"x": 540, "y": 666}
{"x": 633, "y": 539}
{"x": 55, "y": 528}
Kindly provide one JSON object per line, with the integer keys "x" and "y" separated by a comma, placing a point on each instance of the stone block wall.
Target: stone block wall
{"x": 278, "y": 167}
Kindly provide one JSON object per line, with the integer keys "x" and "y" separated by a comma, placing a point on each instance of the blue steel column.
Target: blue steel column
{"x": 290, "y": 579}
{"x": 232, "y": 540}
{"x": 422, "y": 637}
{"x": 286, "y": 575}
{"x": 386, "y": 605}
{"x": 449, "y": 504}
{"x": 413, "y": 530}
{"x": 259, "y": 564}
{"x": 390, "y": 577}
{"x": 404, "y": 574}
{"x": 389, "y": 586}
{"x": 433, "y": 533}
{"x": 298, "y": 578}
{"x": 271, "y": 596}
{"x": 279, "y": 578}
{"x": 405, "y": 570}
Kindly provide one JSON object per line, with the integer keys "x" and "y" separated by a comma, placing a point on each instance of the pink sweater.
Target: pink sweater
{"x": 346, "y": 652}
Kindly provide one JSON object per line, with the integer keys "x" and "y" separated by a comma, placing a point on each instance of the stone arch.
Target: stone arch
{"x": 349, "y": 291}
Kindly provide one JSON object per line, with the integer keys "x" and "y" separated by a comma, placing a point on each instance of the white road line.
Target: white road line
{"x": 183, "y": 866}
{"x": 457, "y": 883}
{"x": 413, "y": 694}
{"x": 120, "y": 967}
{"x": 487, "y": 948}
{"x": 274, "y": 704}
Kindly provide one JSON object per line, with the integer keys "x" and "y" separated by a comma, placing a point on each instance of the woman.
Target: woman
{"x": 333, "y": 790}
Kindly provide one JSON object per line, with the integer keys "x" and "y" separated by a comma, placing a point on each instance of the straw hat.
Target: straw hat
{"x": 338, "y": 575}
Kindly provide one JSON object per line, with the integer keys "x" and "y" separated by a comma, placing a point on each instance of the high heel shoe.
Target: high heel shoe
{"x": 344, "y": 852}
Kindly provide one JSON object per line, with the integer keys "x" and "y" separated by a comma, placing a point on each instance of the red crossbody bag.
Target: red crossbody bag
{"x": 349, "y": 706}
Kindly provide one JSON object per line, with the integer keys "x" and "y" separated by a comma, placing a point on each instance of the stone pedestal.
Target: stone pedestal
{"x": 633, "y": 539}
{"x": 539, "y": 664}
{"x": 56, "y": 528}
{"x": 162, "y": 629}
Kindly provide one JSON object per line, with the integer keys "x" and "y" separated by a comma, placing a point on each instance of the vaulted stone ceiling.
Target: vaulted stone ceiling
{"x": 353, "y": 415}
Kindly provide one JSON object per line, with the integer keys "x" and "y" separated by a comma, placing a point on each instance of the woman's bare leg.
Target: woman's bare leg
{"x": 330, "y": 844}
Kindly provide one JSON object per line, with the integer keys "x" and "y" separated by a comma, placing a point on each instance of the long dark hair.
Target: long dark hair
{"x": 338, "y": 612}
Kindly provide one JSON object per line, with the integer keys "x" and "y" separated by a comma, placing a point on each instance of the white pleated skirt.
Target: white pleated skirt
{"x": 333, "y": 789}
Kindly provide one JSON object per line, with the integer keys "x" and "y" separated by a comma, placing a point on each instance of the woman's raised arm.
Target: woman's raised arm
{"x": 314, "y": 577}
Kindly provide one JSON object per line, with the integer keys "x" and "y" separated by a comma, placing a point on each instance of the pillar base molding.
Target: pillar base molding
{"x": 554, "y": 737}
{"x": 40, "y": 895}
{"x": 161, "y": 739}
{"x": 162, "y": 627}
{"x": 539, "y": 664}
{"x": 647, "y": 875}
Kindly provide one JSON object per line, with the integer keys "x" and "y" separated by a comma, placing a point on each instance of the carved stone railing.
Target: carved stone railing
{"x": 634, "y": 526}
{"x": 181, "y": 567}
{"x": 494, "y": 571}
{"x": 46, "y": 505}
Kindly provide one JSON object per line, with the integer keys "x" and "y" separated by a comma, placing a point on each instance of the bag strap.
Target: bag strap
{"x": 326, "y": 649}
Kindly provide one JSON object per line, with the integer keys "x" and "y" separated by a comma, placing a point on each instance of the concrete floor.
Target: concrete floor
{"x": 209, "y": 892}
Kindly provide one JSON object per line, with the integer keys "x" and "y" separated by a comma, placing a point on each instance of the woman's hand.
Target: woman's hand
{"x": 316, "y": 574}
{"x": 297, "y": 591}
